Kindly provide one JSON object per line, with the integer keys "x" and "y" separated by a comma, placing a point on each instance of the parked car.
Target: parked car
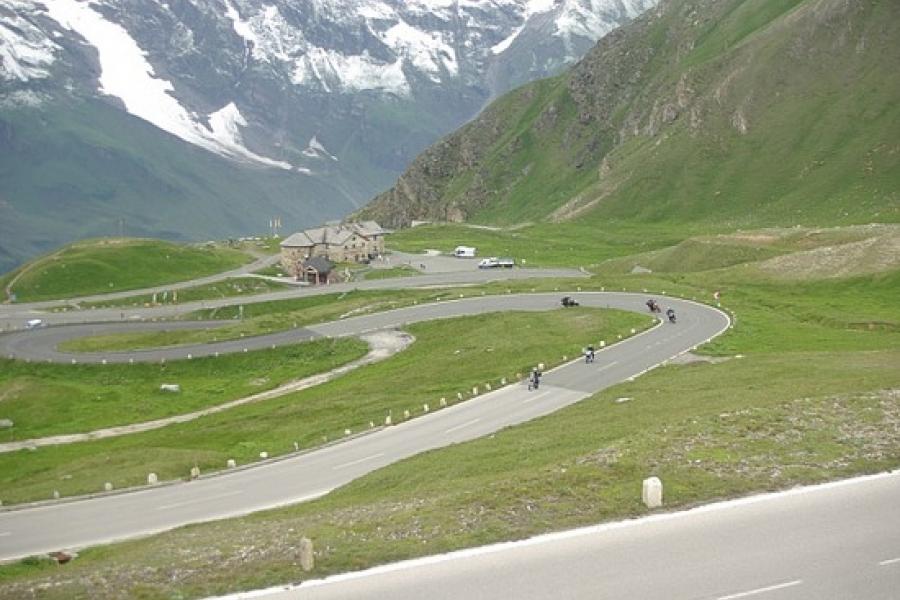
{"x": 34, "y": 323}
{"x": 464, "y": 252}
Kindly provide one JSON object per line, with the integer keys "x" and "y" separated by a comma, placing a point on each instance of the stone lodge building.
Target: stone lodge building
{"x": 347, "y": 242}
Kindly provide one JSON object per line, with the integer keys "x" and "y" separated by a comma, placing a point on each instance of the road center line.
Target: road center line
{"x": 883, "y": 563}
{"x": 534, "y": 397}
{"x": 762, "y": 590}
{"x": 197, "y": 500}
{"x": 466, "y": 424}
{"x": 607, "y": 365}
{"x": 356, "y": 462}
{"x": 5, "y": 533}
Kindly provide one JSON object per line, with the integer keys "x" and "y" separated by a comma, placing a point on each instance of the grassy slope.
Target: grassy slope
{"x": 424, "y": 373}
{"x": 229, "y": 288}
{"x": 45, "y": 400}
{"x": 810, "y": 400}
{"x": 564, "y": 244}
{"x": 822, "y": 124}
{"x": 115, "y": 264}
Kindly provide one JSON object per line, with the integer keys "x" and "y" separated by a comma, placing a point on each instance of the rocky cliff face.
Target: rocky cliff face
{"x": 742, "y": 111}
{"x": 340, "y": 92}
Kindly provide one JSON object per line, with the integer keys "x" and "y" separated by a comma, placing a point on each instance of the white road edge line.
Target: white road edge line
{"x": 196, "y": 500}
{"x": 762, "y": 590}
{"x": 356, "y": 462}
{"x": 466, "y": 424}
{"x": 5, "y": 533}
{"x": 889, "y": 561}
{"x": 550, "y": 537}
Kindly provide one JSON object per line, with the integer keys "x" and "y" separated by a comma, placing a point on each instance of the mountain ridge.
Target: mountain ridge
{"x": 741, "y": 112}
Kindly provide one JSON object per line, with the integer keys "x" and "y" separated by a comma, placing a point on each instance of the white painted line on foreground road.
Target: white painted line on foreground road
{"x": 5, "y": 533}
{"x": 413, "y": 563}
{"x": 356, "y": 462}
{"x": 537, "y": 396}
{"x": 472, "y": 422}
{"x": 197, "y": 500}
{"x": 763, "y": 590}
{"x": 883, "y": 563}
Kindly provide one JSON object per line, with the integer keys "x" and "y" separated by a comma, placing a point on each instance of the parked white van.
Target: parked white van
{"x": 464, "y": 252}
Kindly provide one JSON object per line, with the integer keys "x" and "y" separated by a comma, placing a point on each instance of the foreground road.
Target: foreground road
{"x": 834, "y": 542}
{"x": 92, "y": 521}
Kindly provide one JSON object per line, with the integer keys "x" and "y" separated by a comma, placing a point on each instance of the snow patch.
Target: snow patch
{"x": 349, "y": 73}
{"x": 592, "y": 19}
{"x": 126, "y": 74}
{"x": 24, "y": 49}
{"x": 315, "y": 149}
{"x": 427, "y": 51}
{"x": 267, "y": 32}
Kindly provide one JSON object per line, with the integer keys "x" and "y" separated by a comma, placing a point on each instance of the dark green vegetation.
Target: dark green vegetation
{"x": 228, "y": 288}
{"x": 814, "y": 396}
{"x": 116, "y": 264}
{"x": 424, "y": 373}
{"x": 726, "y": 113}
{"x": 81, "y": 168}
{"x": 44, "y": 400}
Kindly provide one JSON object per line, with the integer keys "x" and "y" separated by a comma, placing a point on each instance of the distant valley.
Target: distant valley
{"x": 200, "y": 119}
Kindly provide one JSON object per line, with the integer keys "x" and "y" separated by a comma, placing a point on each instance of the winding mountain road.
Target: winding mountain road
{"x": 84, "y": 522}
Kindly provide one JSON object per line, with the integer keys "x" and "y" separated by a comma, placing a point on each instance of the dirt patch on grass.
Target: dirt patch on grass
{"x": 12, "y": 391}
{"x": 875, "y": 254}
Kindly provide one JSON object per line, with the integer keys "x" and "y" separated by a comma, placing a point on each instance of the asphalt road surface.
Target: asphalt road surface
{"x": 85, "y": 522}
{"x": 14, "y": 316}
{"x": 833, "y": 542}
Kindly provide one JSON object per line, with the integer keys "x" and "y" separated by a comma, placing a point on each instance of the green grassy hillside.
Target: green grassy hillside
{"x": 86, "y": 169}
{"x": 115, "y": 264}
{"x": 734, "y": 113}
{"x": 804, "y": 388}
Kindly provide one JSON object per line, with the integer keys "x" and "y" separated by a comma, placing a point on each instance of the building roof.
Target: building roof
{"x": 331, "y": 235}
{"x": 297, "y": 240}
{"x": 319, "y": 263}
{"x": 368, "y": 228}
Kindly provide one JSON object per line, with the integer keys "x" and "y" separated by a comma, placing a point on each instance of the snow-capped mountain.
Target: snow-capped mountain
{"x": 338, "y": 91}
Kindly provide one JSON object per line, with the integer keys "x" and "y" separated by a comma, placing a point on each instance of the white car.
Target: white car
{"x": 489, "y": 263}
{"x": 34, "y": 323}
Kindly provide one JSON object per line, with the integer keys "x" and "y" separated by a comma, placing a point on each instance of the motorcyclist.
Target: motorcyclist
{"x": 671, "y": 314}
{"x": 535, "y": 379}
